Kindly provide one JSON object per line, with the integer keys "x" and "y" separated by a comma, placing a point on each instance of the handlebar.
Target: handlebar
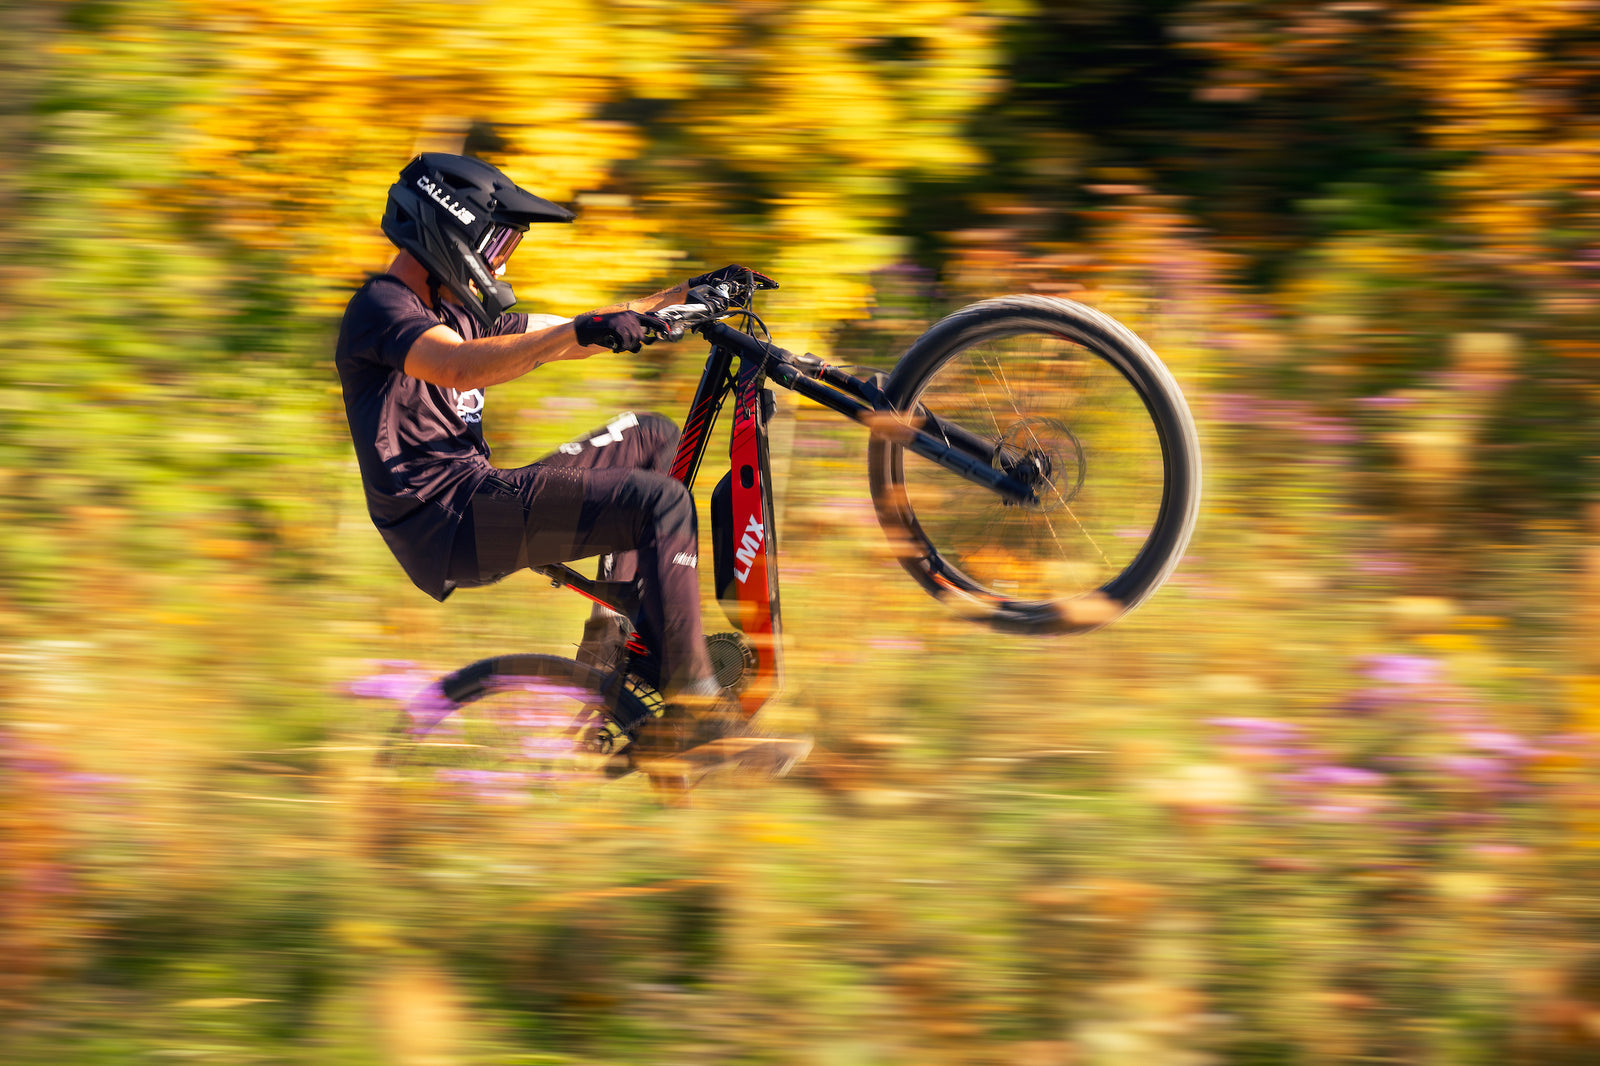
{"x": 707, "y": 303}
{"x": 683, "y": 317}
{"x": 919, "y": 431}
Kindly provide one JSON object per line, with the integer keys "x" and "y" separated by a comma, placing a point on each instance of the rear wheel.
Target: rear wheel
{"x": 504, "y": 728}
{"x": 1072, "y": 403}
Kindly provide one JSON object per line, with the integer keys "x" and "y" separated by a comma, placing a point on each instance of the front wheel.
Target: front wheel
{"x": 1070, "y": 401}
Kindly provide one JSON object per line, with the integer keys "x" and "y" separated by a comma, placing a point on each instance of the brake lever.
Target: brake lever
{"x": 722, "y": 295}
{"x": 687, "y": 315}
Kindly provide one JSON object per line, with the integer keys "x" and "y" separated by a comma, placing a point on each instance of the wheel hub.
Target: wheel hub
{"x": 1044, "y": 455}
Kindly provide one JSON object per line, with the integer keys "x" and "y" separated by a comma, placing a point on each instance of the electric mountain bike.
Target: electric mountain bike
{"x": 1031, "y": 460}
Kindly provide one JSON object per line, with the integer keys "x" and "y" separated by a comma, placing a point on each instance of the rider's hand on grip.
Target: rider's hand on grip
{"x": 621, "y": 331}
{"x": 741, "y": 281}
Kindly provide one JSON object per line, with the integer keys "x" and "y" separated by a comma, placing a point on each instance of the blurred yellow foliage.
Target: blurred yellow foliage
{"x": 1584, "y": 699}
{"x": 1504, "y": 83}
{"x": 315, "y": 106}
{"x": 1500, "y": 90}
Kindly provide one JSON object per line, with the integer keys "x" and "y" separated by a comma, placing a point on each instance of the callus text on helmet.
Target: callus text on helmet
{"x": 465, "y": 217}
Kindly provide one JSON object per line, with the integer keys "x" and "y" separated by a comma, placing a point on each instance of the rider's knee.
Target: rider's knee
{"x": 653, "y": 423}
{"x": 661, "y": 436}
{"x": 674, "y": 503}
{"x": 675, "y": 495}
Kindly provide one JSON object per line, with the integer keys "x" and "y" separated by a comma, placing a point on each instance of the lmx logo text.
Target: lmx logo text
{"x": 749, "y": 544}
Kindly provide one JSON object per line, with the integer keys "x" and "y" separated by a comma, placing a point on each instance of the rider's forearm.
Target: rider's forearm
{"x": 654, "y": 302}
{"x": 442, "y": 357}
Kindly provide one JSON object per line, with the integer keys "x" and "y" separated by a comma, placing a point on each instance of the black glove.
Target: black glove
{"x": 621, "y": 331}
{"x": 741, "y": 281}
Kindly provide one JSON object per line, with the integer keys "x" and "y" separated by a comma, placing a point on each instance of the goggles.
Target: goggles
{"x": 497, "y": 246}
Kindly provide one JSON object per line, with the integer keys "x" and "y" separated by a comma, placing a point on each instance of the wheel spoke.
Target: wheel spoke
{"x": 1024, "y": 421}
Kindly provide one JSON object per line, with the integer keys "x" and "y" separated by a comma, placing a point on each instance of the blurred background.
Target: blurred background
{"x": 1329, "y": 798}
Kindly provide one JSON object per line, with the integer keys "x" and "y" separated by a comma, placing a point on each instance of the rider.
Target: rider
{"x": 419, "y": 346}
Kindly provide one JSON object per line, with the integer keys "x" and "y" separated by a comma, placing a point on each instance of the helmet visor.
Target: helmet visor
{"x": 498, "y": 244}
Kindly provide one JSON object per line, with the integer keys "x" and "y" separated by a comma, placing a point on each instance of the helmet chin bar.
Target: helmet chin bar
{"x": 484, "y": 295}
{"x": 495, "y": 304}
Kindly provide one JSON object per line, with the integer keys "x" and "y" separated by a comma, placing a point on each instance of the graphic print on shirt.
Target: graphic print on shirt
{"x": 469, "y": 405}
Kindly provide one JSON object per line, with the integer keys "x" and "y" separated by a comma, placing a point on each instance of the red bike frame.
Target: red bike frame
{"x": 752, "y": 599}
{"x": 753, "y": 602}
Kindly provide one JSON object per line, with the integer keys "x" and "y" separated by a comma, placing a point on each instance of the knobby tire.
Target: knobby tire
{"x": 1073, "y": 399}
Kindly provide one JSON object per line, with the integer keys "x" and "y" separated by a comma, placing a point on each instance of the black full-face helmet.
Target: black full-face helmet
{"x": 461, "y": 218}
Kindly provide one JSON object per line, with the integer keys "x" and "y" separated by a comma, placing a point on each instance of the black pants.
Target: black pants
{"x": 607, "y": 494}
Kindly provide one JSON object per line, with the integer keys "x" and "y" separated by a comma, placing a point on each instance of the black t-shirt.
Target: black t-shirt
{"x": 420, "y": 446}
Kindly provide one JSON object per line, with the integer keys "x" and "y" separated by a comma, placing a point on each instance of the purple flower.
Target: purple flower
{"x": 1456, "y": 716}
{"x": 1264, "y": 736}
{"x": 491, "y": 786}
{"x": 1339, "y": 776}
{"x": 1386, "y": 401}
{"x": 428, "y": 708}
{"x": 85, "y": 784}
{"x": 1235, "y": 407}
{"x": 1260, "y": 728}
{"x": 1402, "y": 669}
{"x": 391, "y": 686}
{"x": 1506, "y": 744}
{"x": 1367, "y": 701}
{"x": 894, "y": 644}
{"x": 1337, "y": 812}
{"x": 1381, "y": 565}
{"x": 1480, "y": 769}
{"x": 1325, "y": 430}
{"x": 43, "y": 765}
{"x": 482, "y": 777}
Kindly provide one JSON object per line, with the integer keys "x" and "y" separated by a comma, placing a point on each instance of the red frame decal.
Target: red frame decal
{"x": 755, "y": 575}
{"x": 689, "y": 441}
